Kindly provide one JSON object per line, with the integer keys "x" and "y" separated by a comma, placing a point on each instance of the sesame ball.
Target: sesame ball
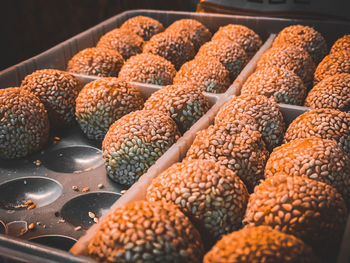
{"x": 260, "y": 244}
{"x": 57, "y": 90}
{"x": 310, "y": 210}
{"x": 322, "y": 123}
{"x": 293, "y": 58}
{"x": 332, "y": 92}
{"x": 229, "y": 53}
{"x": 305, "y": 37}
{"x": 206, "y": 73}
{"x": 148, "y": 68}
{"x": 135, "y": 142}
{"x": 101, "y": 62}
{"x": 144, "y": 231}
{"x": 318, "y": 159}
{"x": 211, "y": 195}
{"x": 242, "y": 35}
{"x": 234, "y": 145}
{"x": 126, "y": 43}
{"x": 183, "y": 103}
{"x": 101, "y": 102}
{"x": 264, "y": 110}
{"x": 280, "y": 83}
{"x": 337, "y": 62}
{"x": 193, "y": 29}
{"x": 24, "y": 124}
{"x": 172, "y": 46}
{"x": 341, "y": 44}
{"x": 143, "y": 26}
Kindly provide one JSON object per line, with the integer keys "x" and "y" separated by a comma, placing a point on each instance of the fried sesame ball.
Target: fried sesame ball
{"x": 135, "y": 142}
{"x": 101, "y": 62}
{"x": 193, "y": 29}
{"x": 322, "y": 123}
{"x": 341, "y": 44}
{"x": 337, "y": 62}
{"x": 126, "y": 43}
{"x": 57, "y": 90}
{"x": 308, "y": 209}
{"x": 293, "y": 58}
{"x": 280, "y": 83}
{"x": 242, "y": 35}
{"x": 234, "y": 145}
{"x": 264, "y": 110}
{"x": 144, "y": 26}
{"x": 147, "y": 232}
{"x": 183, "y": 103}
{"x": 318, "y": 159}
{"x": 101, "y": 102}
{"x": 172, "y": 46}
{"x": 332, "y": 92}
{"x": 228, "y": 52}
{"x": 305, "y": 37}
{"x": 260, "y": 244}
{"x": 206, "y": 73}
{"x": 211, "y": 195}
{"x": 148, "y": 68}
{"x": 24, "y": 124}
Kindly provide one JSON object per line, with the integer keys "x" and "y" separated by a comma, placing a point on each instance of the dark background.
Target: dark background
{"x": 29, "y": 27}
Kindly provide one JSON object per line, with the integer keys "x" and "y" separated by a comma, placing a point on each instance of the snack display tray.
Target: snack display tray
{"x": 72, "y": 160}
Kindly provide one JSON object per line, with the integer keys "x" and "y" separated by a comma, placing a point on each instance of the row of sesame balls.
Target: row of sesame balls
{"x": 290, "y": 216}
{"x": 215, "y": 66}
{"x": 286, "y": 70}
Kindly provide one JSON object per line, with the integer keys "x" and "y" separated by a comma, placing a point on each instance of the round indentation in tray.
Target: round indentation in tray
{"x": 73, "y": 159}
{"x": 76, "y": 211}
{"x": 42, "y": 191}
{"x": 55, "y": 241}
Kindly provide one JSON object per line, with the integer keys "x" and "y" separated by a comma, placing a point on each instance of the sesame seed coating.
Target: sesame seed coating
{"x": 148, "y": 68}
{"x": 242, "y": 35}
{"x": 172, "y": 46}
{"x": 234, "y": 145}
{"x": 126, "y": 43}
{"x": 24, "y": 124}
{"x": 134, "y": 143}
{"x": 322, "y": 123}
{"x": 264, "y": 110}
{"x": 143, "y": 26}
{"x": 183, "y": 103}
{"x": 101, "y": 102}
{"x": 211, "y": 195}
{"x": 193, "y": 29}
{"x": 100, "y": 62}
{"x": 305, "y": 37}
{"x": 332, "y": 92}
{"x": 146, "y": 232}
{"x": 293, "y": 58}
{"x": 315, "y": 158}
{"x": 310, "y": 210}
{"x": 337, "y": 62}
{"x": 341, "y": 44}
{"x": 260, "y": 244}
{"x": 206, "y": 73}
{"x": 228, "y": 52}
{"x": 281, "y": 84}
{"x": 57, "y": 90}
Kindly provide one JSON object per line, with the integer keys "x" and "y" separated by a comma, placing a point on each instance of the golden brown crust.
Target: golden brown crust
{"x": 57, "y": 90}
{"x": 147, "y": 231}
{"x": 24, "y": 124}
{"x": 100, "y": 62}
{"x": 260, "y": 244}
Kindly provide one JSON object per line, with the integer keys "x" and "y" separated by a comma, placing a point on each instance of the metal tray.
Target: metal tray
{"x": 77, "y": 161}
